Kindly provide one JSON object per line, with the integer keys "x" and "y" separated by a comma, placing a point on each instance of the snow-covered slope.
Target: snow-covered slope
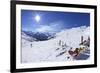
{"x": 72, "y": 36}
{"x": 55, "y": 49}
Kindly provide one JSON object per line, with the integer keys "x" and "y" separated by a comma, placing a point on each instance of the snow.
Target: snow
{"x": 55, "y": 49}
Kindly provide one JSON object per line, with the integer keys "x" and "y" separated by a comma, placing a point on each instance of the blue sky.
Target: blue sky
{"x": 51, "y": 21}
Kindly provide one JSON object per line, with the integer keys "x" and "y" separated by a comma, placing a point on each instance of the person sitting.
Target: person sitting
{"x": 76, "y": 52}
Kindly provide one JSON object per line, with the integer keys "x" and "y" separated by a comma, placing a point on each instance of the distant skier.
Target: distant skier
{"x": 31, "y": 45}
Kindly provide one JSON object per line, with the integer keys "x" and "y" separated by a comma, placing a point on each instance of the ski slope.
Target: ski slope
{"x": 55, "y": 49}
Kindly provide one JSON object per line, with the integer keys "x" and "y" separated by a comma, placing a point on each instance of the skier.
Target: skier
{"x": 31, "y": 45}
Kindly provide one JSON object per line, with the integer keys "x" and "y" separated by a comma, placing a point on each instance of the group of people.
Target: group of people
{"x": 77, "y": 51}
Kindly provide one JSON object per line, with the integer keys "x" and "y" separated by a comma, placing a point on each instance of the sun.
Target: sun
{"x": 37, "y": 18}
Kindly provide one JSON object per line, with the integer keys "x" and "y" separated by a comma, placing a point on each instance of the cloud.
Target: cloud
{"x": 52, "y": 27}
{"x": 44, "y": 29}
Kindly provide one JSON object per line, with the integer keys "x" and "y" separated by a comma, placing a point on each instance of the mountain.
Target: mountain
{"x": 55, "y": 49}
{"x": 27, "y": 37}
{"x": 37, "y": 36}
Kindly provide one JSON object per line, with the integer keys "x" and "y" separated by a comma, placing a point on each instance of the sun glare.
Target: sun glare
{"x": 37, "y": 18}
